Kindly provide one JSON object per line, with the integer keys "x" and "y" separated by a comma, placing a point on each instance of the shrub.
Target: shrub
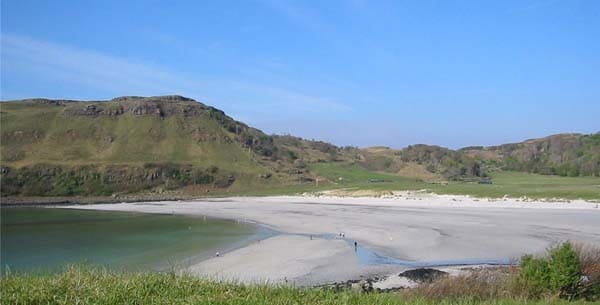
{"x": 535, "y": 275}
{"x": 565, "y": 270}
{"x": 558, "y": 273}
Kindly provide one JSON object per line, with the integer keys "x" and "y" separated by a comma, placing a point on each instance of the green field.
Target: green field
{"x": 88, "y": 286}
{"x": 518, "y": 184}
{"x": 513, "y": 184}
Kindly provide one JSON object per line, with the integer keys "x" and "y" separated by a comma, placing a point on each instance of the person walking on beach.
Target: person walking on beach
{"x": 355, "y": 246}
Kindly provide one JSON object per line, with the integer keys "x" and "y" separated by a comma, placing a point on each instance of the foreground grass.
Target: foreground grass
{"x": 77, "y": 285}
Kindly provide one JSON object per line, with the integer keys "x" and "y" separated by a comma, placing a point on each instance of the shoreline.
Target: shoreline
{"x": 12, "y": 201}
{"x": 333, "y": 194}
{"x": 432, "y": 228}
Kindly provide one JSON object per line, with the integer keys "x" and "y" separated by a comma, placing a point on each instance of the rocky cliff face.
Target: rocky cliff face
{"x": 138, "y": 106}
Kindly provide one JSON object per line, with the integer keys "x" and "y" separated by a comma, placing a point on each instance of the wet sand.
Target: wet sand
{"x": 432, "y": 229}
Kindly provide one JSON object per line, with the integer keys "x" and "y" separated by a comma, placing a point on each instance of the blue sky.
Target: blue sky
{"x": 451, "y": 73}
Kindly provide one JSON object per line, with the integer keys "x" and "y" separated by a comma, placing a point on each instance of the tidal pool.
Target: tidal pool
{"x": 47, "y": 239}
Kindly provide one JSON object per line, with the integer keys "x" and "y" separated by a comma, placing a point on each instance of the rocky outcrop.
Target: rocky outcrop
{"x": 148, "y": 109}
{"x": 94, "y": 110}
{"x": 160, "y": 106}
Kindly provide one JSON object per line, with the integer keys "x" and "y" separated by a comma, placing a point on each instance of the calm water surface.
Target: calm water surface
{"x": 45, "y": 239}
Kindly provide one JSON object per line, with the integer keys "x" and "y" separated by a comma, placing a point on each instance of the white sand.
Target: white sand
{"x": 420, "y": 228}
{"x": 280, "y": 258}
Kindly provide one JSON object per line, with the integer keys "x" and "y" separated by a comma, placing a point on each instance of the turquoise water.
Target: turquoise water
{"x": 46, "y": 239}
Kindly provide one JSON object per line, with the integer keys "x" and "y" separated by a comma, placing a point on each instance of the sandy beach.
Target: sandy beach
{"x": 414, "y": 228}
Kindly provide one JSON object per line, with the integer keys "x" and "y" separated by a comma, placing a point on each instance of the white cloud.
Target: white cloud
{"x": 121, "y": 76}
{"x": 83, "y": 67}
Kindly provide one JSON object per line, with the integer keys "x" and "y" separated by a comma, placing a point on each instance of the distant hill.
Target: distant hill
{"x": 428, "y": 162}
{"x": 158, "y": 144}
{"x": 561, "y": 154}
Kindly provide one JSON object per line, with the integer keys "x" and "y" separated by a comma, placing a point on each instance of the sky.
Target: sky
{"x": 359, "y": 73}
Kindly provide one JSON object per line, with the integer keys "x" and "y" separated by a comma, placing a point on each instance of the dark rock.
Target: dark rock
{"x": 422, "y": 274}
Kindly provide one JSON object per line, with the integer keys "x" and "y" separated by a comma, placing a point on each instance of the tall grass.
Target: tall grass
{"x": 79, "y": 285}
{"x": 483, "y": 284}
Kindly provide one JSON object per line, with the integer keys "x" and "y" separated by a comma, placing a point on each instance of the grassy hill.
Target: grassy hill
{"x": 175, "y": 145}
{"x": 60, "y": 147}
{"x": 126, "y": 130}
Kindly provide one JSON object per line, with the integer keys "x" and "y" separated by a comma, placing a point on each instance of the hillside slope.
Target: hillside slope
{"x": 61, "y": 147}
{"x": 560, "y": 154}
